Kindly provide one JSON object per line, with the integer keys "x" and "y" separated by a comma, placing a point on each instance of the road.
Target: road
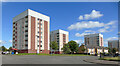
{"x": 36, "y": 59}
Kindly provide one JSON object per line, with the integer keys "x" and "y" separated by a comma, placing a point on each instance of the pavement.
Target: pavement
{"x": 102, "y": 61}
{"x": 37, "y": 59}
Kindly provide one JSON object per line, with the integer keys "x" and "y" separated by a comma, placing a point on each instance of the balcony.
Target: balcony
{"x": 26, "y": 42}
{"x": 26, "y": 38}
{"x": 26, "y": 28}
{"x": 26, "y": 33}
{"x": 26, "y": 24}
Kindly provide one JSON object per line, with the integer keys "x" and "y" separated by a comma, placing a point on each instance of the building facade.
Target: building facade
{"x": 96, "y": 49}
{"x": 31, "y": 32}
{"x": 61, "y": 37}
{"x": 93, "y": 39}
{"x": 113, "y": 44}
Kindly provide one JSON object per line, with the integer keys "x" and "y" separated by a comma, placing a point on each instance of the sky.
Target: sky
{"x": 78, "y": 18}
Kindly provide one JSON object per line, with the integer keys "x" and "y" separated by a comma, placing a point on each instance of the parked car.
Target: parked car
{"x": 7, "y": 52}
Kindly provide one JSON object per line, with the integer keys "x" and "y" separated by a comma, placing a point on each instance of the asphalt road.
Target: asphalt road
{"x": 36, "y": 59}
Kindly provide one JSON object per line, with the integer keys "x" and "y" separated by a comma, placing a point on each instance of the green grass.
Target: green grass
{"x": 111, "y": 58}
{"x": 51, "y": 54}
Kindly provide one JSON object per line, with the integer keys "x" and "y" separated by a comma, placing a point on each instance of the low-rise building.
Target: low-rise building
{"x": 96, "y": 49}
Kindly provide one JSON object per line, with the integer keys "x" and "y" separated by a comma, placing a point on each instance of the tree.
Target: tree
{"x": 66, "y": 49}
{"x": 54, "y": 45}
{"x": 3, "y": 48}
{"x": 73, "y": 46}
{"x": 109, "y": 50}
{"x": 114, "y": 50}
{"x": 10, "y": 48}
{"x": 82, "y": 49}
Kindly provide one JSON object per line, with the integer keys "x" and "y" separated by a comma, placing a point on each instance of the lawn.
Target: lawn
{"x": 52, "y": 54}
{"x": 111, "y": 58}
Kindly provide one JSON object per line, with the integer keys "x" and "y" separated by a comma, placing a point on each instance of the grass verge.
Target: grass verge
{"x": 52, "y": 54}
{"x": 110, "y": 58}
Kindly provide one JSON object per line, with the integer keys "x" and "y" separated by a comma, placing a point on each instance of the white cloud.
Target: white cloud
{"x": 83, "y": 25}
{"x": 111, "y": 23}
{"x": 2, "y": 42}
{"x": 92, "y": 24}
{"x": 112, "y": 38}
{"x": 105, "y": 29}
{"x": 108, "y": 27}
{"x": 90, "y": 31}
{"x": 82, "y": 34}
{"x": 92, "y": 15}
{"x": 81, "y": 17}
{"x": 10, "y": 41}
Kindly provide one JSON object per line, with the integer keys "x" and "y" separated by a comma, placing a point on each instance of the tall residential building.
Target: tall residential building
{"x": 31, "y": 32}
{"x": 113, "y": 44}
{"x": 93, "y": 39}
{"x": 61, "y": 37}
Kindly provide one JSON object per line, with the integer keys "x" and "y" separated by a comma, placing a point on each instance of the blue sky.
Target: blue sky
{"x": 101, "y": 17}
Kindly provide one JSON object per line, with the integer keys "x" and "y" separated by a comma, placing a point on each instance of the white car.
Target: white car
{"x": 7, "y": 52}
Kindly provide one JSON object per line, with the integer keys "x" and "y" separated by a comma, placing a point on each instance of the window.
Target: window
{"x": 41, "y": 32}
{"x": 38, "y": 23}
{"x": 26, "y": 30}
{"x": 26, "y": 25}
{"x": 38, "y": 19}
{"x": 41, "y": 41}
{"x": 26, "y": 21}
{"x": 26, "y": 40}
{"x": 13, "y": 46}
{"x": 26, "y": 35}
{"x": 26, "y": 45}
{"x": 38, "y": 36}
{"x": 40, "y": 45}
{"x": 26, "y": 16}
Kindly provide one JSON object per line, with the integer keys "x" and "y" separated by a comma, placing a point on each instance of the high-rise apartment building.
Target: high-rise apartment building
{"x": 93, "y": 39}
{"x": 61, "y": 37}
{"x": 31, "y": 32}
{"x": 113, "y": 44}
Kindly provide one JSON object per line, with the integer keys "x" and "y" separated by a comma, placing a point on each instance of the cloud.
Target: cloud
{"x": 81, "y": 17}
{"x": 2, "y": 42}
{"x": 91, "y": 24}
{"x": 112, "y": 38}
{"x": 82, "y": 34}
{"x": 90, "y": 31}
{"x": 105, "y": 29}
{"x": 92, "y": 15}
{"x": 10, "y": 41}
{"x": 85, "y": 24}
{"x": 111, "y": 22}
{"x": 108, "y": 27}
